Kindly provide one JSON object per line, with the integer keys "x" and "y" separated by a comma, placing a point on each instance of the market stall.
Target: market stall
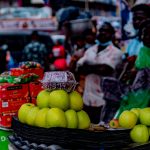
{"x": 49, "y": 115}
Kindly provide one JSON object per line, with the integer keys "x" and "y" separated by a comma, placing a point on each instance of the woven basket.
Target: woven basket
{"x": 73, "y": 138}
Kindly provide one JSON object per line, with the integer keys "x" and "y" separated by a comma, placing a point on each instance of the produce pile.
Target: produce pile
{"x": 55, "y": 109}
{"x": 136, "y": 119}
{"x": 58, "y": 105}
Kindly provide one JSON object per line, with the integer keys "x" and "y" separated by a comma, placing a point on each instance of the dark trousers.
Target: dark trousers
{"x": 93, "y": 112}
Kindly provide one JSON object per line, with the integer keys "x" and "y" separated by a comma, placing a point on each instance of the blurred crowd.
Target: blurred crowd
{"x": 93, "y": 54}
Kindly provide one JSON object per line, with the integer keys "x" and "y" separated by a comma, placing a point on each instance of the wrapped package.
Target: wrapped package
{"x": 59, "y": 80}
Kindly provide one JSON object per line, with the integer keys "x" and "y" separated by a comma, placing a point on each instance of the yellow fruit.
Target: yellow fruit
{"x": 56, "y": 118}
{"x": 136, "y": 111}
{"x": 59, "y": 99}
{"x": 76, "y": 101}
{"x": 127, "y": 119}
{"x": 23, "y": 111}
{"x": 83, "y": 119}
{"x": 72, "y": 118}
{"x": 139, "y": 134}
{"x": 30, "y": 117}
{"x": 40, "y": 119}
{"x": 43, "y": 99}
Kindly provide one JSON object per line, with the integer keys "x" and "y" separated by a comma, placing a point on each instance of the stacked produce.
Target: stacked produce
{"x": 58, "y": 105}
{"x": 136, "y": 119}
{"x": 55, "y": 109}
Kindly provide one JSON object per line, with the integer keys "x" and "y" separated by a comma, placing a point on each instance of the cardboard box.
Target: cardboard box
{"x": 37, "y": 71}
{"x": 35, "y": 88}
{"x": 20, "y": 71}
{"x": 6, "y": 118}
{"x": 16, "y": 71}
{"x": 13, "y": 91}
{"x": 12, "y": 105}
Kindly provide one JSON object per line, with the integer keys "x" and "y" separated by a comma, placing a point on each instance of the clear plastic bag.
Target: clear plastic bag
{"x": 59, "y": 80}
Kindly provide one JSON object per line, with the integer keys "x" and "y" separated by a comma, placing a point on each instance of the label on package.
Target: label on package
{"x": 4, "y": 104}
{"x": 56, "y": 76}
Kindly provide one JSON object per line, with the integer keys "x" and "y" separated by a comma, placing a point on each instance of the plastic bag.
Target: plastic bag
{"x": 142, "y": 60}
{"x": 138, "y": 99}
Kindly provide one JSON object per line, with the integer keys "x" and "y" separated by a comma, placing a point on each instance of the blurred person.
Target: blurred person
{"x": 143, "y": 57}
{"x": 83, "y": 42}
{"x": 78, "y": 49}
{"x": 129, "y": 93}
{"x": 58, "y": 49}
{"x": 140, "y": 13}
{"x": 90, "y": 37}
{"x": 36, "y": 51}
{"x": 58, "y": 57}
{"x": 98, "y": 61}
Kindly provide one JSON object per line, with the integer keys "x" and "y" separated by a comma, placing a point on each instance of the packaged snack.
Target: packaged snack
{"x": 59, "y": 80}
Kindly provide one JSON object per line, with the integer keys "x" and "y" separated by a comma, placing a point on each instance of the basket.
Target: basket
{"x": 73, "y": 138}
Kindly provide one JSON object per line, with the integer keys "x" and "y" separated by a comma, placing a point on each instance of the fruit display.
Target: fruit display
{"x": 57, "y": 105}
{"x": 114, "y": 123}
{"x": 59, "y": 99}
{"x": 128, "y": 119}
{"x": 140, "y": 133}
{"x": 24, "y": 110}
{"x": 58, "y": 117}
{"x": 138, "y": 121}
{"x": 56, "y": 108}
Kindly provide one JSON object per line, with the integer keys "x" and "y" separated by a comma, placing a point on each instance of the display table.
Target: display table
{"x": 40, "y": 138}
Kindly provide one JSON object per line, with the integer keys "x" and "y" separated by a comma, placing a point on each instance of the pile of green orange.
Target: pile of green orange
{"x": 138, "y": 120}
{"x": 56, "y": 108}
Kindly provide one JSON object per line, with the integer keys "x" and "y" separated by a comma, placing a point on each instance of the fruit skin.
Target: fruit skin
{"x": 76, "y": 101}
{"x": 56, "y": 118}
{"x": 127, "y": 119}
{"x": 30, "y": 117}
{"x": 40, "y": 119}
{"x": 59, "y": 99}
{"x": 84, "y": 120}
{"x": 145, "y": 116}
{"x": 149, "y": 131}
{"x": 72, "y": 118}
{"x": 23, "y": 111}
{"x": 136, "y": 111}
{"x": 43, "y": 99}
{"x": 114, "y": 123}
{"x": 139, "y": 134}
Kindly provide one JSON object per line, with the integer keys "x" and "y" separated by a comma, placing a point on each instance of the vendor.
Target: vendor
{"x": 137, "y": 95}
{"x": 140, "y": 13}
{"x": 98, "y": 61}
{"x": 143, "y": 58}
